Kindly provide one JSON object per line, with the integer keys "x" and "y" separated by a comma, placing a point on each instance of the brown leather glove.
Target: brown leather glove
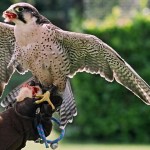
{"x": 18, "y": 124}
{"x": 27, "y": 109}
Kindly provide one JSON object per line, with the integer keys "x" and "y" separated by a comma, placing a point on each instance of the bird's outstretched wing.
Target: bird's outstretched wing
{"x": 90, "y": 54}
{"x": 7, "y": 42}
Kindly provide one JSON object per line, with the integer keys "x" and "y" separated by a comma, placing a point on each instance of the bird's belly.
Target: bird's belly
{"x": 41, "y": 73}
{"x": 45, "y": 78}
{"x": 36, "y": 64}
{"x": 47, "y": 67}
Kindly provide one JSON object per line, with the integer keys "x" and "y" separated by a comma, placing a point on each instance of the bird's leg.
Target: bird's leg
{"x": 46, "y": 97}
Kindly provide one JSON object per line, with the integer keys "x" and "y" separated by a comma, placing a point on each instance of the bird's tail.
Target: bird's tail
{"x": 68, "y": 108}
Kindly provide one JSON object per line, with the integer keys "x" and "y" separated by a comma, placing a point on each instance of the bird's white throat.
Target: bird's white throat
{"x": 26, "y": 33}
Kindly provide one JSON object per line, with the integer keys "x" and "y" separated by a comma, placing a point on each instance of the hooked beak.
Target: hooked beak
{"x": 9, "y": 16}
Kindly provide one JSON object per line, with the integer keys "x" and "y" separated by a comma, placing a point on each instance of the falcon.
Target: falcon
{"x": 54, "y": 55}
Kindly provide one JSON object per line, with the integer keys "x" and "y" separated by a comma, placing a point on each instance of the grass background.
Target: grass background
{"x": 32, "y": 145}
{"x": 84, "y": 146}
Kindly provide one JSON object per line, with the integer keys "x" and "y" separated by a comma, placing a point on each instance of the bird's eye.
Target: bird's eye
{"x": 19, "y": 9}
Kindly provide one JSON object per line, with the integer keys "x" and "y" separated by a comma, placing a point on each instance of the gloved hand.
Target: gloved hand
{"x": 27, "y": 109}
{"x": 19, "y": 123}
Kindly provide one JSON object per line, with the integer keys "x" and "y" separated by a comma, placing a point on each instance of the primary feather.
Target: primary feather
{"x": 7, "y": 42}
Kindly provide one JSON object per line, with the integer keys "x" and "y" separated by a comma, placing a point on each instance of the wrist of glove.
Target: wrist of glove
{"x": 26, "y": 108}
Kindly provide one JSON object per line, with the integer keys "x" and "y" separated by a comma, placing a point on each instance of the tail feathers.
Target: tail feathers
{"x": 68, "y": 108}
{"x": 63, "y": 116}
{"x": 10, "y": 98}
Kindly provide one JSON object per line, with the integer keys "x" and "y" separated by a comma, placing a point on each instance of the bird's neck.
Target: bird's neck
{"x": 26, "y": 33}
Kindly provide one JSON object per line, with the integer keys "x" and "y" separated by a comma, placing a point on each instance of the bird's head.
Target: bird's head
{"x": 23, "y": 13}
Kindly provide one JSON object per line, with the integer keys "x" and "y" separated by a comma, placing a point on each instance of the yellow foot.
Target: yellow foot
{"x": 45, "y": 97}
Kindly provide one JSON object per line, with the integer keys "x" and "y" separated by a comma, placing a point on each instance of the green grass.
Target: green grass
{"x": 75, "y": 146}
{"x": 32, "y": 145}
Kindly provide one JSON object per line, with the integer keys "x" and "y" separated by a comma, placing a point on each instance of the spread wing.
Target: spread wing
{"x": 90, "y": 54}
{"x": 7, "y": 42}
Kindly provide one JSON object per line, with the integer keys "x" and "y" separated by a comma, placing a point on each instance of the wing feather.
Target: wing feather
{"x": 90, "y": 54}
{"x": 7, "y": 42}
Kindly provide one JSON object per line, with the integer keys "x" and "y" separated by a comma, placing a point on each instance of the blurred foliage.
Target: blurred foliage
{"x": 60, "y": 13}
{"x": 107, "y": 112}
{"x": 98, "y": 8}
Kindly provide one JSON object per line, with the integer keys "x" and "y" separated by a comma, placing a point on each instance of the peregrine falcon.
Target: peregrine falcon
{"x": 54, "y": 55}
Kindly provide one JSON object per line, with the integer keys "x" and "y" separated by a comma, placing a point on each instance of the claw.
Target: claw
{"x": 45, "y": 97}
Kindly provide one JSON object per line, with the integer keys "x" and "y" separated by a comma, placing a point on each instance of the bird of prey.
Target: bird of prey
{"x": 54, "y": 55}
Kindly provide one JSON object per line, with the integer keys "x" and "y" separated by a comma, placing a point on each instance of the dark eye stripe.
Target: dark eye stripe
{"x": 34, "y": 12}
{"x": 20, "y": 13}
{"x": 20, "y": 17}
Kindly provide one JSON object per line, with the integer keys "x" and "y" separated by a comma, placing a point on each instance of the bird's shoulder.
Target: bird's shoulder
{"x": 50, "y": 27}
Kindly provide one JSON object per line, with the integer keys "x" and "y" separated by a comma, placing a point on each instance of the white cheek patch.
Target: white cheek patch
{"x": 29, "y": 18}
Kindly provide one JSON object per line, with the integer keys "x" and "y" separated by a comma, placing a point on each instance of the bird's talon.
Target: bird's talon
{"x": 39, "y": 96}
{"x": 45, "y": 97}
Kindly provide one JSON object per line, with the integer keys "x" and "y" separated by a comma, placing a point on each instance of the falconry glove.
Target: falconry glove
{"x": 17, "y": 124}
